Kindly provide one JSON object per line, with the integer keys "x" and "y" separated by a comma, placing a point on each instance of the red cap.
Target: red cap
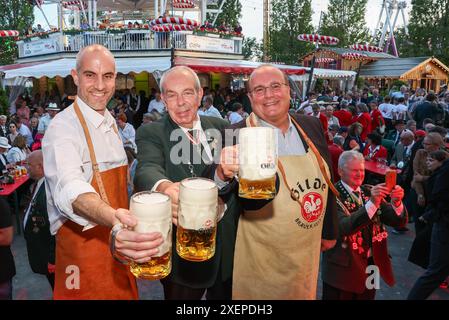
{"x": 420, "y": 133}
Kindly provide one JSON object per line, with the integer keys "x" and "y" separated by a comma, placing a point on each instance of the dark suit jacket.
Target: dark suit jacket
{"x": 3, "y": 133}
{"x": 40, "y": 242}
{"x": 2, "y": 166}
{"x": 312, "y": 126}
{"x": 154, "y": 145}
{"x": 343, "y": 267}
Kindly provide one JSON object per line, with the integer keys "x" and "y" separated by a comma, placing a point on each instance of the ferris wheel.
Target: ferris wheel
{"x": 387, "y": 22}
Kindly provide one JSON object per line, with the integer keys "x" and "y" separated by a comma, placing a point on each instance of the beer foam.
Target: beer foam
{"x": 200, "y": 184}
{"x": 150, "y": 198}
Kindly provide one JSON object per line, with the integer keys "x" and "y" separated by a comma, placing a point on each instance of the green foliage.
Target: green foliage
{"x": 3, "y": 102}
{"x": 345, "y": 20}
{"x": 288, "y": 19}
{"x": 428, "y": 30}
{"x": 230, "y": 13}
{"x": 252, "y": 49}
{"x": 15, "y": 15}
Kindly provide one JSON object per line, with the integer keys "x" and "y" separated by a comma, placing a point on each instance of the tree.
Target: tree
{"x": 3, "y": 102}
{"x": 288, "y": 19}
{"x": 252, "y": 49}
{"x": 345, "y": 19}
{"x": 15, "y": 15}
{"x": 231, "y": 12}
{"x": 428, "y": 30}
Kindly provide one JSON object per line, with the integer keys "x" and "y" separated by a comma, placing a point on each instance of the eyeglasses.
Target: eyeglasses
{"x": 260, "y": 91}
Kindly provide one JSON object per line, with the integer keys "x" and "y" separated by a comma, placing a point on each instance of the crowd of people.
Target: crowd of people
{"x": 88, "y": 154}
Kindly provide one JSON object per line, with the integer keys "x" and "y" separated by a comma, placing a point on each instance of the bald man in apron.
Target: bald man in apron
{"x": 279, "y": 242}
{"x": 86, "y": 169}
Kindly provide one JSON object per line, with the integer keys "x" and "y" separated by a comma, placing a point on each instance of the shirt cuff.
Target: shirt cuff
{"x": 220, "y": 183}
{"x": 158, "y": 183}
{"x": 68, "y": 195}
{"x": 371, "y": 209}
{"x": 399, "y": 209}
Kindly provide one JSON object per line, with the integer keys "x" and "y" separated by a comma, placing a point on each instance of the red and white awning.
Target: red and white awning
{"x": 316, "y": 38}
{"x": 183, "y": 4}
{"x": 365, "y": 47}
{"x": 231, "y": 66}
{"x": 354, "y": 56}
{"x": 9, "y": 33}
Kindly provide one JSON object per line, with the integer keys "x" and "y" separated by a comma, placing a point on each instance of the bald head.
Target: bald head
{"x": 263, "y": 68}
{"x": 96, "y": 50}
{"x": 36, "y": 165}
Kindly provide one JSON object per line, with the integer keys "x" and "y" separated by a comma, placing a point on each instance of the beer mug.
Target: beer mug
{"x": 257, "y": 163}
{"x": 153, "y": 212}
{"x": 197, "y": 219}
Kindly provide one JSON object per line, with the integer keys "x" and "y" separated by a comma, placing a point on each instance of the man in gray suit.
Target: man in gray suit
{"x": 403, "y": 150}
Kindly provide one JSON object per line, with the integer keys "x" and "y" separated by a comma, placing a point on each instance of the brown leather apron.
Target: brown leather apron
{"x": 87, "y": 252}
{"x": 277, "y": 250}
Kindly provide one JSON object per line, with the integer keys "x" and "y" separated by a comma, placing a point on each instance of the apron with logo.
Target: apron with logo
{"x": 85, "y": 268}
{"x": 278, "y": 247}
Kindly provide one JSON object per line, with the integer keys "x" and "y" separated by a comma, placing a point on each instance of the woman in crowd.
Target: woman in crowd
{"x": 374, "y": 151}
{"x": 432, "y": 142}
{"x": 19, "y": 150}
{"x": 13, "y": 132}
{"x": 353, "y": 140}
{"x": 127, "y": 132}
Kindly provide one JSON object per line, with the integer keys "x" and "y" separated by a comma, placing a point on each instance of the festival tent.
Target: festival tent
{"x": 62, "y": 67}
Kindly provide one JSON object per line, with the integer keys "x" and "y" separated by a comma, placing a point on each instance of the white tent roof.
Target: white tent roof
{"x": 62, "y": 67}
{"x": 326, "y": 74}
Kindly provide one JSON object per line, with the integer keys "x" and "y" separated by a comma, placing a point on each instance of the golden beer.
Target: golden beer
{"x": 153, "y": 212}
{"x": 197, "y": 219}
{"x": 155, "y": 269}
{"x": 257, "y": 189}
{"x": 257, "y": 163}
{"x": 196, "y": 245}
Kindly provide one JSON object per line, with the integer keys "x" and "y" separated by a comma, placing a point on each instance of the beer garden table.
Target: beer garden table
{"x": 11, "y": 189}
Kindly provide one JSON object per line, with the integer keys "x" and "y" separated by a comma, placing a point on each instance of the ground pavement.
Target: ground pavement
{"x": 28, "y": 285}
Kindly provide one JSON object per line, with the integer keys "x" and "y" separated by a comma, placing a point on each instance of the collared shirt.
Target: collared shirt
{"x": 210, "y": 112}
{"x": 203, "y": 140}
{"x": 370, "y": 207}
{"x": 25, "y": 131}
{"x": 68, "y": 167}
{"x": 387, "y": 110}
{"x": 128, "y": 136}
{"x": 159, "y": 106}
{"x": 289, "y": 143}
{"x": 235, "y": 117}
{"x": 36, "y": 189}
{"x": 44, "y": 122}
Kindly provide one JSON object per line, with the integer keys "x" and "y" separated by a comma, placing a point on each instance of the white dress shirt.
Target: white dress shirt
{"x": 210, "y": 112}
{"x": 68, "y": 167}
{"x": 44, "y": 122}
{"x": 15, "y": 155}
{"x": 159, "y": 106}
{"x": 235, "y": 117}
{"x": 26, "y": 132}
{"x": 387, "y": 110}
{"x": 128, "y": 136}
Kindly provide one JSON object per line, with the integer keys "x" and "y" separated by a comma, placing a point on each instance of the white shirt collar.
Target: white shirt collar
{"x": 93, "y": 116}
{"x": 196, "y": 125}
{"x": 348, "y": 188}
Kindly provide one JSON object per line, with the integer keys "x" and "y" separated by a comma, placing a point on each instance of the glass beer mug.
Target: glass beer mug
{"x": 153, "y": 212}
{"x": 197, "y": 219}
{"x": 257, "y": 163}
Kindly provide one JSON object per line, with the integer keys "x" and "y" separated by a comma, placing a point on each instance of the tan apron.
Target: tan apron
{"x": 100, "y": 276}
{"x": 277, "y": 250}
